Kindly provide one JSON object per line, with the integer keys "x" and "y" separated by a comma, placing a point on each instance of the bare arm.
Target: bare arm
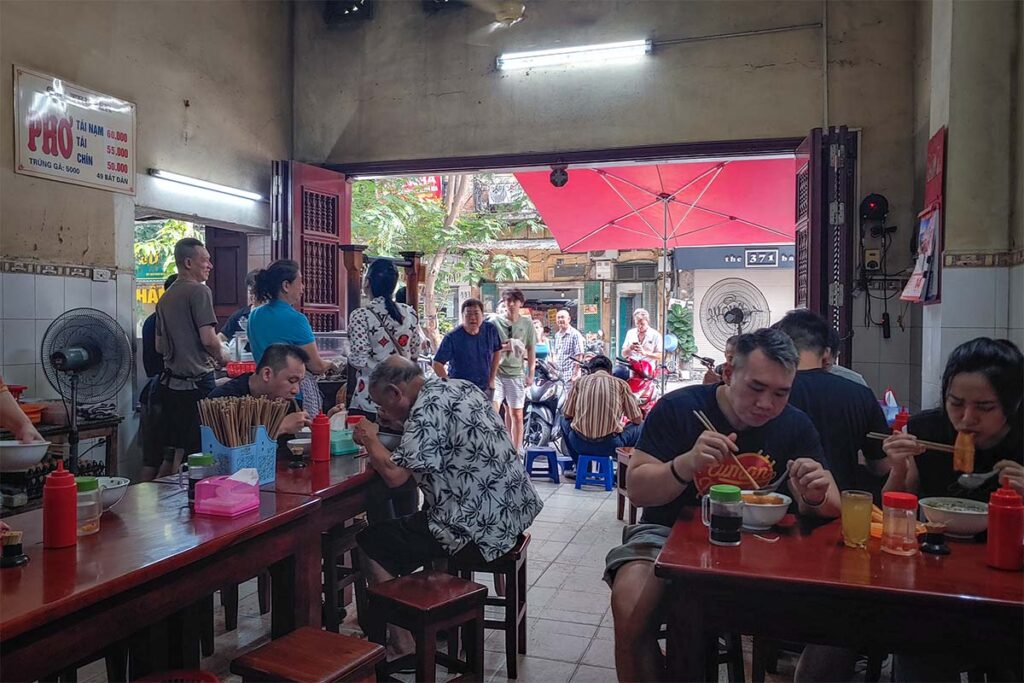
{"x": 900, "y": 450}
{"x": 495, "y": 362}
{"x": 531, "y": 362}
{"x": 650, "y": 481}
{"x": 211, "y": 342}
{"x": 439, "y": 370}
{"x": 14, "y": 419}
{"x": 366, "y": 434}
{"x": 316, "y": 364}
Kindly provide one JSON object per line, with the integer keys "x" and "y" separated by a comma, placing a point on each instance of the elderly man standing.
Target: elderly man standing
{"x": 187, "y": 338}
{"x": 643, "y": 341}
{"x": 477, "y": 497}
{"x": 569, "y": 345}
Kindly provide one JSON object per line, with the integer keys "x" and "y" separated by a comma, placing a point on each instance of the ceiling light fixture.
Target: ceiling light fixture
{"x": 206, "y": 185}
{"x": 603, "y": 53}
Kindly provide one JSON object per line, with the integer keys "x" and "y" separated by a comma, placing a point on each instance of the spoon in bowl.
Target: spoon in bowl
{"x": 975, "y": 481}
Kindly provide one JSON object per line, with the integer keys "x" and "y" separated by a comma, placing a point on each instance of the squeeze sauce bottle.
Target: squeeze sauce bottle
{"x": 321, "y": 438}
{"x": 60, "y": 509}
{"x": 1005, "y": 529}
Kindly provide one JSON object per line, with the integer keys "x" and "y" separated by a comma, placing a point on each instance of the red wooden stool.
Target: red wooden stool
{"x": 425, "y": 604}
{"x": 309, "y": 655}
{"x": 510, "y": 571}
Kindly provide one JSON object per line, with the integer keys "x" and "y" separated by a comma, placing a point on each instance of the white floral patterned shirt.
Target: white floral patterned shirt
{"x": 474, "y": 486}
{"x": 368, "y": 329}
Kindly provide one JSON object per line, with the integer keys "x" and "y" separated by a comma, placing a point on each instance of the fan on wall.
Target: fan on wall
{"x": 87, "y": 358}
{"x": 732, "y": 306}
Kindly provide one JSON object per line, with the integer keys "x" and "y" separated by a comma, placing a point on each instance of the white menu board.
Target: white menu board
{"x": 72, "y": 134}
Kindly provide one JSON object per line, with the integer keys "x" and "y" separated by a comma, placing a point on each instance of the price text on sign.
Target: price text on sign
{"x": 72, "y": 134}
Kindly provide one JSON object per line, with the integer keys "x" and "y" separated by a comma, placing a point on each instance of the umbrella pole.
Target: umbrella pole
{"x": 665, "y": 296}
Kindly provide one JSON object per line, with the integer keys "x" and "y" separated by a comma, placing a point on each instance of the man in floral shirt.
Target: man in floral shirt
{"x": 477, "y": 497}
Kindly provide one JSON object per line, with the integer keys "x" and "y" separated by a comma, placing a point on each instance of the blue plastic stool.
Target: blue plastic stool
{"x": 534, "y": 452}
{"x": 604, "y": 476}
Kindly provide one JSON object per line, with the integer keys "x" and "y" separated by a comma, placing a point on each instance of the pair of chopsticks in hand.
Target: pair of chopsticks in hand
{"x": 711, "y": 428}
{"x": 963, "y": 450}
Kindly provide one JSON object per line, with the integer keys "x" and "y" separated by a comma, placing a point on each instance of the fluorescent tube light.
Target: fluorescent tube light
{"x": 604, "y": 53}
{"x": 206, "y": 185}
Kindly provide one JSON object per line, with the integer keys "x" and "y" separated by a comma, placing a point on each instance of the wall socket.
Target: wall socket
{"x": 872, "y": 259}
{"x": 100, "y": 275}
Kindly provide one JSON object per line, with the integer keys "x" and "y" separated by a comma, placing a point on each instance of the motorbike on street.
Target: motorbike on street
{"x": 642, "y": 380}
{"x": 544, "y": 401}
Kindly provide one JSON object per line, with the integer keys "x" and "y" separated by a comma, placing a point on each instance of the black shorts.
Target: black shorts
{"x": 151, "y": 430}
{"x": 179, "y": 414}
{"x": 403, "y": 545}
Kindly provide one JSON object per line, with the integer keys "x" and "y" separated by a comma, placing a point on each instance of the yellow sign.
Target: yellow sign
{"x": 148, "y": 294}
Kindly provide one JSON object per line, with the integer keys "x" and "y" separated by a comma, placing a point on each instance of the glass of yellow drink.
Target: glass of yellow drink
{"x": 856, "y": 518}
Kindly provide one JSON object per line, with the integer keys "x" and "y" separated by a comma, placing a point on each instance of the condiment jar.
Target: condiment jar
{"x": 1005, "y": 529}
{"x": 320, "y": 430}
{"x": 60, "y": 501}
{"x": 899, "y": 523}
{"x": 90, "y": 505}
{"x": 722, "y": 512}
{"x": 901, "y": 420}
{"x": 199, "y": 467}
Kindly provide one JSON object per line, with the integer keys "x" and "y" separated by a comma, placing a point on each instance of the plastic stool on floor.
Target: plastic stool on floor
{"x": 534, "y": 452}
{"x": 604, "y": 476}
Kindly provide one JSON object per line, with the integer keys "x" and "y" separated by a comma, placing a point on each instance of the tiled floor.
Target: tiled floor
{"x": 570, "y": 635}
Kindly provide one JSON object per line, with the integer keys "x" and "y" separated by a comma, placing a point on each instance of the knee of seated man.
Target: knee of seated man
{"x": 633, "y": 617}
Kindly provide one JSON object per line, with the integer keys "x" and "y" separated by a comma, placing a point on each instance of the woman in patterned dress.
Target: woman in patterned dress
{"x": 377, "y": 331}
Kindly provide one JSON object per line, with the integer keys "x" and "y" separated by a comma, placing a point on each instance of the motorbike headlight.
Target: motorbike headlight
{"x": 548, "y": 393}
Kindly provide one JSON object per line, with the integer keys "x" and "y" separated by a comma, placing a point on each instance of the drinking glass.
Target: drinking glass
{"x": 856, "y": 518}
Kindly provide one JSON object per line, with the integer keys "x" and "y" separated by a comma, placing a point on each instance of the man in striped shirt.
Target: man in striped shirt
{"x": 569, "y": 345}
{"x": 592, "y": 419}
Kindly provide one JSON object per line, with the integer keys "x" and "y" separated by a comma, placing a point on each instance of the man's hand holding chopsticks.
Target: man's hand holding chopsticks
{"x": 293, "y": 422}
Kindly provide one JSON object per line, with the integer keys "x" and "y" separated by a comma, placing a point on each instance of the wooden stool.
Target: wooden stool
{"x": 425, "y": 604}
{"x": 510, "y": 568}
{"x": 622, "y": 456}
{"x": 340, "y": 573}
{"x": 309, "y": 655}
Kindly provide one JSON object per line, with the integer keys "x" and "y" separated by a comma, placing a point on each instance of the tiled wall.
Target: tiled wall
{"x": 30, "y": 302}
{"x": 885, "y": 363}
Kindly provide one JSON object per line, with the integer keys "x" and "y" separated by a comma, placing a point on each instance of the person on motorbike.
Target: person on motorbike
{"x": 600, "y": 415}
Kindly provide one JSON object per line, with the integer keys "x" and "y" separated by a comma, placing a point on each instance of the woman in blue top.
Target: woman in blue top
{"x": 276, "y": 321}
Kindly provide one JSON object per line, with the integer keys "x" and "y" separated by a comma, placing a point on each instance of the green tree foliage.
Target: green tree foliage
{"x": 155, "y": 240}
{"x": 449, "y": 230}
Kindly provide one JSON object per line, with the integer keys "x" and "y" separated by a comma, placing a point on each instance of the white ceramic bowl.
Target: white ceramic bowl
{"x": 761, "y": 517}
{"x": 305, "y": 443}
{"x": 112, "y": 490}
{"x": 968, "y": 521}
{"x": 18, "y": 457}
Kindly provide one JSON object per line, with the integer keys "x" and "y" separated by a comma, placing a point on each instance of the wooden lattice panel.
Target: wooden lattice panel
{"x": 323, "y": 322}
{"x": 803, "y": 194}
{"x": 319, "y": 212}
{"x": 320, "y": 272}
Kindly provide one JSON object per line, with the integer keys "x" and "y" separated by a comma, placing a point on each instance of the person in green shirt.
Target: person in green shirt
{"x": 519, "y": 343}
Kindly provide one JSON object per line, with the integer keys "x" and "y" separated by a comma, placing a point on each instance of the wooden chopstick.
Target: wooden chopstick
{"x": 930, "y": 445}
{"x": 711, "y": 428}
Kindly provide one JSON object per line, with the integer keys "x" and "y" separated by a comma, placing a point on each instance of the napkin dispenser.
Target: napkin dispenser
{"x": 225, "y": 496}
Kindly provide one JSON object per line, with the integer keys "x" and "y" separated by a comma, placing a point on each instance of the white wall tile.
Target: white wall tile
{"x": 43, "y": 388}
{"x": 20, "y": 342}
{"x": 931, "y": 394}
{"x": 19, "y": 296}
{"x": 1016, "y": 335}
{"x": 104, "y": 297}
{"x": 126, "y": 303}
{"x": 1001, "y": 296}
{"x": 897, "y": 377}
{"x": 40, "y": 331}
{"x": 77, "y": 293}
{"x": 968, "y": 297}
{"x": 1015, "y": 319}
{"x": 870, "y": 372}
{"x": 954, "y": 337}
{"x": 866, "y": 344}
{"x": 1, "y": 341}
{"x": 22, "y": 374}
{"x": 49, "y": 297}
{"x": 916, "y": 343}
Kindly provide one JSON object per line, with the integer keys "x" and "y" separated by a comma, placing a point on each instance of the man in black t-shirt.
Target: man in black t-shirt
{"x": 675, "y": 455}
{"x": 278, "y": 375}
{"x": 843, "y": 411}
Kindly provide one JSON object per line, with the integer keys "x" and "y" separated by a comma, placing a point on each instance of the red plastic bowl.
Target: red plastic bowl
{"x": 17, "y": 390}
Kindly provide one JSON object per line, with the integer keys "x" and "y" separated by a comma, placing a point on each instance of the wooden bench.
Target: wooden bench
{"x": 309, "y": 655}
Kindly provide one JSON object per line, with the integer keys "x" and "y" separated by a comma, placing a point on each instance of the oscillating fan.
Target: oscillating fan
{"x": 732, "y": 306}
{"x": 87, "y": 357}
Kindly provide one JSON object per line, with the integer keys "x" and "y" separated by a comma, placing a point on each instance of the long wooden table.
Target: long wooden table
{"x": 151, "y": 558}
{"x": 808, "y": 587}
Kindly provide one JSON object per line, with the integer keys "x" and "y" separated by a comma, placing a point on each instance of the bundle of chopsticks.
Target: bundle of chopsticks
{"x": 233, "y": 419}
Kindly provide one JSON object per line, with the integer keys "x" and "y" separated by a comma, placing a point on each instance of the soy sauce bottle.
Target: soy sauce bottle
{"x": 722, "y": 512}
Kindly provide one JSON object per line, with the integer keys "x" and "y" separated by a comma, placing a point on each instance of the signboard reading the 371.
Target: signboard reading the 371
{"x": 68, "y": 133}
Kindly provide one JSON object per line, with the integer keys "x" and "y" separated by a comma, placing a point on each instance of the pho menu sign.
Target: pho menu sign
{"x": 72, "y": 134}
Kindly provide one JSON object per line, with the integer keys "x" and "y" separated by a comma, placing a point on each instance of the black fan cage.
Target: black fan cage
{"x": 100, "y": 333}
{"x": 725, "y": 295}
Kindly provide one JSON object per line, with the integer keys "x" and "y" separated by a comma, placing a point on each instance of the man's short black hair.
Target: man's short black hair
{"x": 600, "y": 362}
{"x": 469, "y": 303}
{"x": 186, "y": 249}
{"x": 807, "y": 329}
{"x": 170, "y": 281}
{"x": 513, "y": 293}
{"x": 772, "y": 343}
{"x": 276, "y": 356}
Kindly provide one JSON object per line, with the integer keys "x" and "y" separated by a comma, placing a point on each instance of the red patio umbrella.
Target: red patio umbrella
{"x": 663, "y": 206}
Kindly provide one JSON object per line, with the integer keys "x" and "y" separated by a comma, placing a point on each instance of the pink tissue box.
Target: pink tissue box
{"x": 225, "y": 498}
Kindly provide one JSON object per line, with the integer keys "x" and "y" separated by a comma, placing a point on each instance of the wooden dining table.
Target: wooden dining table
{"x": 806, "y": 586}
{"x": 151, "y": 558}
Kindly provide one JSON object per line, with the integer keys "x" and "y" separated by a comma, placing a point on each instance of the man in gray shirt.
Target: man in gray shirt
{"x": 186, "y": 337}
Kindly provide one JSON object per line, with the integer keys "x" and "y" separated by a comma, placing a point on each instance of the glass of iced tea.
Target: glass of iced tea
{"x": 856, "y": 518}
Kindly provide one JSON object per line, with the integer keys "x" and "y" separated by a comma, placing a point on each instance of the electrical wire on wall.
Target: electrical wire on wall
{"x": 874, "y": 209}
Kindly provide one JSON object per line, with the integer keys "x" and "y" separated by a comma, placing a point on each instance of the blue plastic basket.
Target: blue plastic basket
{"x": 261, "y": 454}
